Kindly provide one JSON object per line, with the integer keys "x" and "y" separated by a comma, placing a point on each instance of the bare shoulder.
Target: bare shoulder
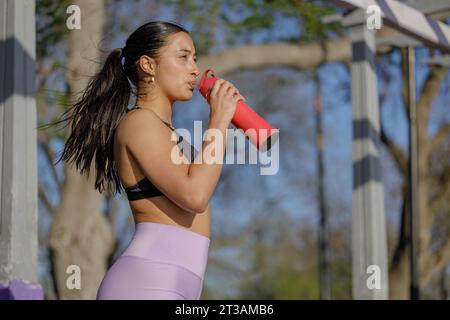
{"x": 140, "y": 122}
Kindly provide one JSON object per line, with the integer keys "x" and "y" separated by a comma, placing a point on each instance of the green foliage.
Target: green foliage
{"x": 310, "y": 14}
{"x": 281, "y": 269}
{"x": 261, "y": 15}
{"x": 341, "y": 278}
{"x": 201, "y": 19}
{"x": 51, "y": 26}
{"x": 243, "y": 19}
{"x": 293, "y": 284}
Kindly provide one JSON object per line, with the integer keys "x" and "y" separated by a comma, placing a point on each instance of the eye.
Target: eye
{"x": 184, "y": 56}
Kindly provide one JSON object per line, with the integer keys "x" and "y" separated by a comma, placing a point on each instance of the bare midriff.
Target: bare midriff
{"x": 161, "y": 210}
{"x": 158, "y": 209}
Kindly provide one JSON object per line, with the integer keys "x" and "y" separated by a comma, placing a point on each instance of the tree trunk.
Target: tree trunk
{"x": 81, "y": 234}
{"x": 429, "y": 262}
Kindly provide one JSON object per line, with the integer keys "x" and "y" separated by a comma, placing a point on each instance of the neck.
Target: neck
{"x": 160, "y": 105}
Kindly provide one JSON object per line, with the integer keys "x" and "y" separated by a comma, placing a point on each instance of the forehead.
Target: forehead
{"x": 180, "y": 41}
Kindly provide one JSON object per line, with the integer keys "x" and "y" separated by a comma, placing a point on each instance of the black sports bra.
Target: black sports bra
{"x": 144, "y": 188}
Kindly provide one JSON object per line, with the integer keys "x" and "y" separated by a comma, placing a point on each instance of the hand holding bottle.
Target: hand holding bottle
{"x": 227, "y": 103}
{"x": 223, "y": 98}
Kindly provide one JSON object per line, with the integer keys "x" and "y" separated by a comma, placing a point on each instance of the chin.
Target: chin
{"x": 186, "y": 97}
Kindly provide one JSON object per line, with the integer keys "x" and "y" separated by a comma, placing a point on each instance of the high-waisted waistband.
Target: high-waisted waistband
{"x": 170, "y": 244}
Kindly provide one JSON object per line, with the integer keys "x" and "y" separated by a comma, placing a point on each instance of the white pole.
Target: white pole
{"x": 18, "y": 145}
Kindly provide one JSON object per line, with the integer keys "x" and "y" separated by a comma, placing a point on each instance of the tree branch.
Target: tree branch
{"x": 395, "y": 151}
{"x": 45, "y": 200}
{"x": 50, "y": 157}
{"x": 429, "y": 91}
{"x": 307, "y": 56}
{"x": 440, "y": 202}
{"x": 43, "y": 72}
{"x": 434, "y": 262}
{"x": 439, "y": 138}
{"x": 304, "y": 57}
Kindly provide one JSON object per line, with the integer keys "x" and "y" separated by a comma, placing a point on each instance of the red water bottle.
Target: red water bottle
{"x": 244, "y": 117}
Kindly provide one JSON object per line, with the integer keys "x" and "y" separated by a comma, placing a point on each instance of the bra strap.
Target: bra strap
{"x": 167, "y": 124}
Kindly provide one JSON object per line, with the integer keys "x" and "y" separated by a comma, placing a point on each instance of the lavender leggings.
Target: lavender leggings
{"x": 161, "y": 262}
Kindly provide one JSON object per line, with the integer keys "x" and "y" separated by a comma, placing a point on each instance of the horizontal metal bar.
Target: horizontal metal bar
{"x": 407, "y": 20}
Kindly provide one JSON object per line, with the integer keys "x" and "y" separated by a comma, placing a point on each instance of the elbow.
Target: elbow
{"x": 198, "y": 204}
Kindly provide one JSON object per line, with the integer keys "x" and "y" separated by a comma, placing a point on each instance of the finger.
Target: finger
{"x": 225, "y": 89}
{"x": 222, "y": 90}
{"x": 231, "y": 90}
{"x": 217, "y": 85}
{"x": 238, "y": 98}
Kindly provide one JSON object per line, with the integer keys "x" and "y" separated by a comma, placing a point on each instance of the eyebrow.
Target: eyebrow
{"x": 187, "y": 50}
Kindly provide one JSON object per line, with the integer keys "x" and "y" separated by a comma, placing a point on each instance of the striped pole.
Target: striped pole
{"x": 18, "y": 145}
{"x": 369, "y": 247}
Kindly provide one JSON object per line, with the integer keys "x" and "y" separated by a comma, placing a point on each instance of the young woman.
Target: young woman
{"x": 167, "y": 256}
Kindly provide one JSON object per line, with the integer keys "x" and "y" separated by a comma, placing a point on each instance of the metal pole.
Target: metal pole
{"x": 18, "y": 158}
{"x": 369, "y": 244}
{"x": 413, "y": 177}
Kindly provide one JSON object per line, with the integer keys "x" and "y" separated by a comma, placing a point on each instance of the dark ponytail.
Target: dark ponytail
{"x": 96, "y": 115}
{"x": 94, "y": 119}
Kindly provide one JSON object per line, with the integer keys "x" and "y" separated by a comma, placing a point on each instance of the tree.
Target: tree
{"x": 435, "y": 182}
{"x": 305, "y": 52}
{"x": 434, "y": 191}
{"x": 80, "y": 234}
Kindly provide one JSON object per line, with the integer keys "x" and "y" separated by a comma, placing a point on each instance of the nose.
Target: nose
{"x": 195, "y": 71}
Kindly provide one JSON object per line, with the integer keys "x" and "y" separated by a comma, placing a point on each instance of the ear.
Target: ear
{"x": 147, "y": 64}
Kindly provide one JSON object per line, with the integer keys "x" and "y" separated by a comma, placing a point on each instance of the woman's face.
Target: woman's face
{"x": 176, "y": 73}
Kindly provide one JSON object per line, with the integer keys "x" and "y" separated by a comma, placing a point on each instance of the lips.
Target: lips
{"x": 192, "y": 84}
